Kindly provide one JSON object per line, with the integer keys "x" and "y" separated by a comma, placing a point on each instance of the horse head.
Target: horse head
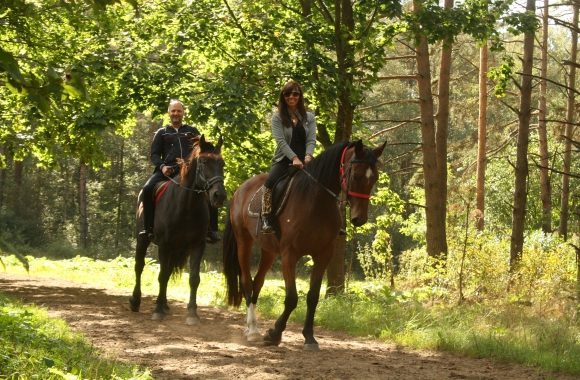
{"x": 359, "y": 174}
{"x": 209, "y": 169}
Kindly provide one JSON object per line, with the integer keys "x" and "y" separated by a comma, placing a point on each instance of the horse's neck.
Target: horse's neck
{"x": 188, "y": 195}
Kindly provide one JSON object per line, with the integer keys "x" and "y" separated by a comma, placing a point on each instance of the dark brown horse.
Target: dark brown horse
{"x": 181, "y": 223}
{"x": 308, "y": 225}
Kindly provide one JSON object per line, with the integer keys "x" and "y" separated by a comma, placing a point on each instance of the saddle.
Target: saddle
{"x": 279, "y": 195}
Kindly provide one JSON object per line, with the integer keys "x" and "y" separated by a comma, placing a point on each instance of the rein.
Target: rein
{"x": 343, "y": 178}
{"x": 207, "y": 183}
{"x": 325, "y": 188}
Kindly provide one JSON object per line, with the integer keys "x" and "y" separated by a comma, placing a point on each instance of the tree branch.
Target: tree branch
{"x": 235, "y": 19}
{"x": 324, "y": 10}
{"x": 388, "y": 103}
{"x": 553, "y": 82}
{"x": 395, "y": 127}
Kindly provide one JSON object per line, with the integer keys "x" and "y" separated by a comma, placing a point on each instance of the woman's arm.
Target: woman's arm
{"x": 310, "y": 134}
{"x": 278, "y": 133}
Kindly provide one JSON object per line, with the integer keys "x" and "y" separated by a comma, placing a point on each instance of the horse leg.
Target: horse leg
{"x": 162, "y": 309}
{"x": 244, "y": 259}
{"x": 194, "y": 265}
{"x": 320, "y": 263}
{"x": 252, "y": 332}
{"x": 141, "y": 252}
{"x": 274, "y": 336}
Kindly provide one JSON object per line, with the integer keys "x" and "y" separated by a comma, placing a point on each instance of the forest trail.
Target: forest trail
{"x": 216, "y": 349}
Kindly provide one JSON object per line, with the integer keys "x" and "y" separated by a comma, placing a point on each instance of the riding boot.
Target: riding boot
{"x": 266, "y": 210}
{"x": 148, "y": 217}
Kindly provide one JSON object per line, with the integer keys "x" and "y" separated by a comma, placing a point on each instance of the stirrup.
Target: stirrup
{"x": 266, "y": 226}
{"x": 147, "y": 233}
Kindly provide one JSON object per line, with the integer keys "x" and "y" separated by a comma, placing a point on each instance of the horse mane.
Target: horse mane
{"x": 319, "y": 168}
{"x": 187, "y": 164}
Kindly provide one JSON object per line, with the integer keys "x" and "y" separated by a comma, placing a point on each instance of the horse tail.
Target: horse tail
{"x": 232, "y": 269}
{"x": 176, "y": 262}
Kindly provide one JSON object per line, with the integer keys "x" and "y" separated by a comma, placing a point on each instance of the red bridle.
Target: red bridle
{"x": 344, "y": 172}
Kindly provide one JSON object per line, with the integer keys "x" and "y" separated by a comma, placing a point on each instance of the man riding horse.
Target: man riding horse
{"x": 170, "y": 143}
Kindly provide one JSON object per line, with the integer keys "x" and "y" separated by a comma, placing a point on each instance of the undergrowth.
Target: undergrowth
{"x": 529, "y": 317}
{"x": 33, "y": 346}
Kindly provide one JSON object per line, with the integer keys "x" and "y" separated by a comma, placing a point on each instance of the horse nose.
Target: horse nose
{"x": 357, "y": 222}
{"x": 218, "y": 198}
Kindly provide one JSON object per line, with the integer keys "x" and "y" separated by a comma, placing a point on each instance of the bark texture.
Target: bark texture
{"x": 521, "y": 169}
{"x": 564, "y": 200}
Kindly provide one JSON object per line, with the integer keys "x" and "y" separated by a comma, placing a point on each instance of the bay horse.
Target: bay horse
{"x": 181, "y": 223}
{"x": 308, "y": 224}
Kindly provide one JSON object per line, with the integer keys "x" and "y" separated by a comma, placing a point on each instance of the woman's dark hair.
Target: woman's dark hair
{"x": 283, "y": 108}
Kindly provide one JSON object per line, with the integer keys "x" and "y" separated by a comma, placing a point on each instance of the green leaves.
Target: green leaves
{"x": 9, "y": 65}
{"x": 502, "y": 75}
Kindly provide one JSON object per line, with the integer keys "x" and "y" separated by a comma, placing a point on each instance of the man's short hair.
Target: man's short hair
{"x": 173, "y": 101}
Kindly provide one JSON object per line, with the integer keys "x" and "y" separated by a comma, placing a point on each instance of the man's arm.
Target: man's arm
{"x": 156, "y": 150}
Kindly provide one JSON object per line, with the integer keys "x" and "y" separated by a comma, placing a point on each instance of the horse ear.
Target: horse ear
{"x": 219, "y": 144}
{"x": 358, "y": 147}
{"x": 202, "y": 140}
{"x": 379, "y": 150}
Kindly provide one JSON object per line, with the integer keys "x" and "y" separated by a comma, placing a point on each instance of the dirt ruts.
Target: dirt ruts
{"x": 216, "y": 349}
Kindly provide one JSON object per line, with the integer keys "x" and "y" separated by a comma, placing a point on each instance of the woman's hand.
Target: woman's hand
{"x": 297, "y": 163}
{"x": 307, "y": 158}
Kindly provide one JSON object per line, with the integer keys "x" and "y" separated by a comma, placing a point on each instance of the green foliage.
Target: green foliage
{"x": 35, "y": 346}
{"x": 502, "y": 75}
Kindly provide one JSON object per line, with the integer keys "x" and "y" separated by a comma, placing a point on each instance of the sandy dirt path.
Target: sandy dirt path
{"x": 216, "y": 349}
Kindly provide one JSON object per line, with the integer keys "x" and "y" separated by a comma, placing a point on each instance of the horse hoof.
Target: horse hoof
{"x": 311, "y": 347}
{"x": 134, "y": 306}
{"x": 158, "y": 317}
{"x": 268, "y": 341}
{"x": 166, "y": 310}
{"x": 255, "y": 337}
{"x": 192, "y": 321}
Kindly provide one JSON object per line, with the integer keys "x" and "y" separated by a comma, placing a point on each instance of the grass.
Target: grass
{"x": 537, "y": 335}
{"x": 35, "y": 346}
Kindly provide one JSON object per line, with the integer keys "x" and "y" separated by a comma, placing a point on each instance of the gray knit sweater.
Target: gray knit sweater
{"x": 283, "y": 136}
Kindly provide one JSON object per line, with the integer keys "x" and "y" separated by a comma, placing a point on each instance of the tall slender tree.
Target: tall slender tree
{"x": 545, "y": 188}
{"x": 569, "y": 130}
{"x": 482, "y": 136}
{"x": 521, "y": 167}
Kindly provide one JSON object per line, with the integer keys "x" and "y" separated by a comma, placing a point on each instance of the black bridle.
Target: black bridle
{"x": 201, "y": 180}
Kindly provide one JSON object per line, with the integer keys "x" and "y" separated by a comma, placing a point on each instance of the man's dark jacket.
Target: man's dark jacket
{"x": 168, "y": 145}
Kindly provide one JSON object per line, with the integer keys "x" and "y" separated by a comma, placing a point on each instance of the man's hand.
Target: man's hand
{"x": 297, "y": 163}
{"x": 167, "y": 170}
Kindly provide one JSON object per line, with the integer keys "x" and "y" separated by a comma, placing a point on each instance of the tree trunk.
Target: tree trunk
{"x": 2, "y": 175}
{"x": 18, "y": 168}
{"x": 521, "y": 169}
{"x": 120, "y": 193}
{"x": 569, "y": 131}
{"x": 335, "y": 270}
{"x": 83, "y": 205}
{"x": 545, "y": 187}
{"x": 442, "y": 129}
{"x": 482, "y": 137}
{"x": 435, "y": 233}
{"x": 343, "y": 29}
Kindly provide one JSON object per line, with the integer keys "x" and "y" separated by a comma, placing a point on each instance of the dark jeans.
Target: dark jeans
{"x": 149, "y": 203}
{"x": 277, "y": 170}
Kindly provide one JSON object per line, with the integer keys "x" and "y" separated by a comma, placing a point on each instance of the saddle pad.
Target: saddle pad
{"x": 255, "y": 205}
{"x": 159, "y": 189}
